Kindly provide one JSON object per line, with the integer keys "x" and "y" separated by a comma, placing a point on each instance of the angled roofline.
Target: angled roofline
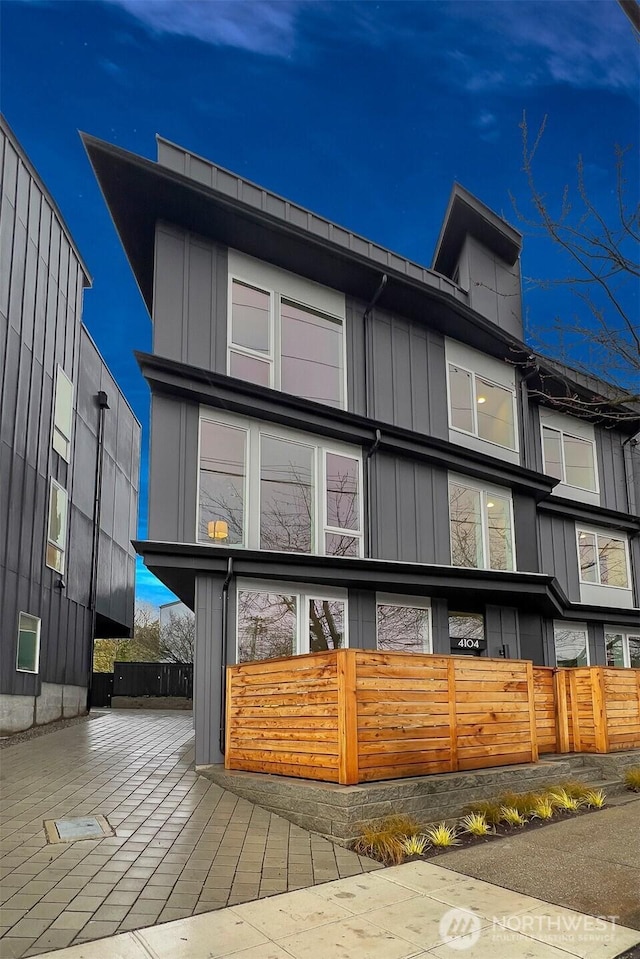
{"x": 466, "y": 214}
{"x": 15, "y": 143}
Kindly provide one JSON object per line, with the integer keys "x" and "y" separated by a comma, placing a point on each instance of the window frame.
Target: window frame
{"x": 275, "y": 333}
{"x": 485, "y": 491}
{"x": 626, "y": 651}
{"x": 474, "y": 407}
{"x": 583, "y": 627}
{"x": 50, "y": 542}
{"x": 574, "y": 436}
{"x": 304, "y": 593}
{"x": 611, "y": 534}
{"x": 407, "y": 602}
{"x": 55, "y": 429}
{"x": 254, "y": 431}
{"x": 19, "y": 669}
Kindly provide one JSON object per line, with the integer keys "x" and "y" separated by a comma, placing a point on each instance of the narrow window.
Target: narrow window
{"x": 588, "y": 561}
{"x": 57, "y": 527}
{"x": 267, "y": 625}
{"x": 403, "y": 628}
{"x": 495, "y": 413}
{"x": 342, "y": 477}
{"x": 579, "y": 463}
{"x": 615, "y": 643}
{"x": 461, "y": 390}
{"x": 63, "y": 415}
{"x": 572, "y": 647}
{"x": 28, "y": 653}
{"x": 326, "y": 624}
{"x": 250, "y": 353}
{"x": 311, "y": 355}
{"x": 499, "y": 532}
{"x": 466, "y": 526}
{"x": 222, "y": 484}
{"x": 286, "y": 495}
{"x": 552, "y": 451}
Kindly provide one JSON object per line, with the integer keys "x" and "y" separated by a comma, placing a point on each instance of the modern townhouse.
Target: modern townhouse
{"x": 69, "y": 464}
{"x": 348, "y": 448}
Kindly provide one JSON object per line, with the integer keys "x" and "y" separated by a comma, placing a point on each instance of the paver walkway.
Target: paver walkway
{"x": 183, "y": 844}
{"x": 414, "y": 910}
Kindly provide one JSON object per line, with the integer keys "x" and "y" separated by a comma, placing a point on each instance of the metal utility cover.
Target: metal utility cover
{"x": 80, "y": 827}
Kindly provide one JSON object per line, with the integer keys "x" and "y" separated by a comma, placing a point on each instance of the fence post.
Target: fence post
{"x": 348, "y": 771}
{"x": 575, "y": 711}
{"x": 599, "y": 710}
{"x": 562, "y": 715}
{"x": 453, "y": 714}
{"x": 533, "y": 732}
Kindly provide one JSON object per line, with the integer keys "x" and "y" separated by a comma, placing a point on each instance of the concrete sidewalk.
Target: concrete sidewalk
{"x": 183, "y": 845}
{"x": 414, "y": 910}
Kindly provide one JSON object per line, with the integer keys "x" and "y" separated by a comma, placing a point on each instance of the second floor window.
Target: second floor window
{"x": 571, "y": 459}
{"x": 265, "y": 488}
{"x": 481, "y": 526}
{"x": 603, "y": 558}
{"x": 62, "y": 415}
{"x": 57, "y": 527}
{"x": 278, "y": 342}
{"x": 481, "y": 408}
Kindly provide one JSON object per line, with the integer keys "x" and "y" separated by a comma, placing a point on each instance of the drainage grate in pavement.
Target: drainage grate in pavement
{"x": 81, "y": 827}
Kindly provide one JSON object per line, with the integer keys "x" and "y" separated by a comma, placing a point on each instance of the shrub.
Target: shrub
{"x": 543, "y": 809}
{"x": 632, "y": 779}
{"x": 595, "y": 799}
{"x": 382, "y": 840}
{"x": 489, "y": 808}
{"x": 414, "y": 845}
{"x": 561, "y": 800}
{"x": 476, "y": 824}
{"x": 512, "y": 816}
{"x": 442, "y": 836}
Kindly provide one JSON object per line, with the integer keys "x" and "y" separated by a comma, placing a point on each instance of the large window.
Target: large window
{"x": 62, "y": 415}
{"x": 57, "y": 527}
{"x": 571, "y": 459}
{"x": 287, "y": 345}
{"x": 623, "y": 648}
{"x": 603, "y": 558}
{"x": 481, "y": 526}
{"x": 403, "y": 624}
{"x": 282, "y": 620}
{"x": 572, "y": 644}
{"x": 28, "y": 653}
{"x": 481, "y": 407}
{"x": 277, "y": 489}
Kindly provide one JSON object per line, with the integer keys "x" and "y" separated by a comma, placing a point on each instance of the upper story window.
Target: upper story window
{"x": 268, "y": 488}
{"x": 284, "y": 619}
{"x": 28, "y": 652}
{"x": 481, "y": 525}
{"x": 57, "y": 527}
{"x": 569, "y": 454}
{"x": 285, "y": 332}
{"x": 62, "y": 415}
{"x": 481, "y": 402}
{"x": 603, "y": 558}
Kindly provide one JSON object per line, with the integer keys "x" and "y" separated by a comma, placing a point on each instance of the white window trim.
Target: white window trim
{"x": 275, "y": 330}
{"x": 254, "y": 430}
{"x": 563, "y": 624}
{"x": 474, "y": 407}
{"x": 54, "y": 427}
{"x": 31, "y": 672}
{"x": 612, "y": 534}
{"x": 304, "y": 593}
{"x": 63, "y": 548}
{"x": 484, "y": 490}
{"x": 574, "y": 436}
{"x": 626, "y": 652}
{"x": 407, "y": 602}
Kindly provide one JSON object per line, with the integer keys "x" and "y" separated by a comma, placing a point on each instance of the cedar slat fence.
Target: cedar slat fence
{"x": 350, "y": 715}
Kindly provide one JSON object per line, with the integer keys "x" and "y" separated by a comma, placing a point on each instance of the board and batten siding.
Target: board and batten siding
{"x": 611, "y": 470}
{"x": 173, "y": 470}
{"x": 559, "y": 552}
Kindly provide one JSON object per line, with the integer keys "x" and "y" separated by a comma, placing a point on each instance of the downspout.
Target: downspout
{"x": 223, "y": 658}
{"x": 103, "y": 406}
{"x": 367, "y": 480}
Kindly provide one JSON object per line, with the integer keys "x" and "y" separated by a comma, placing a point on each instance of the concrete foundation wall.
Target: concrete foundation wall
{"x": 56, "y": 701}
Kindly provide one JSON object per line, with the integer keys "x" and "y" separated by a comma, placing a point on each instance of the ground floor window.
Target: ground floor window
{"x": 572, "y": 644}
{"x": 466, "y": 633}
{"x": 28, "y": 654}
{"x": 623, "y": 648}
{"x": 283, "y": 620}
{"x": 403, "y": 624}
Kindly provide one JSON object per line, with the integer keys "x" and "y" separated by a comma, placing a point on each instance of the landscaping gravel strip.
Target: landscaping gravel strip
{"x": 54, "y": 727}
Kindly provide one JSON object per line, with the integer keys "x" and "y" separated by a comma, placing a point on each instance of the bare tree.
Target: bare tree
{"x": 604, "y": 272}
{"x": 177, "y": 638}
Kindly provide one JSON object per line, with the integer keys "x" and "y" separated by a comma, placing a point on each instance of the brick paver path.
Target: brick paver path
{"x": 183, "y": 844}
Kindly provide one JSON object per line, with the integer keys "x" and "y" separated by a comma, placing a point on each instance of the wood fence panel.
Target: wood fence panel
{"x": 622, "y": 699}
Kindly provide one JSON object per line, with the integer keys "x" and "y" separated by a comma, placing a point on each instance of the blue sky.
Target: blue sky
{"x": 365, "y": 112}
